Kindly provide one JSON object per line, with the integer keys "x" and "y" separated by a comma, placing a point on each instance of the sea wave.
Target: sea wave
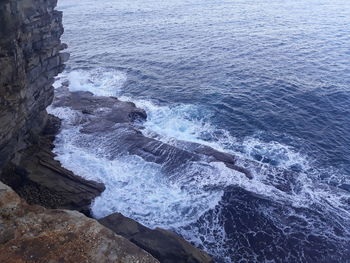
{"x": 189, "y": 201}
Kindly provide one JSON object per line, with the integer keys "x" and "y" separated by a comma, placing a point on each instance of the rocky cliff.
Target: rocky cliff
{"x": 30, "y": 58}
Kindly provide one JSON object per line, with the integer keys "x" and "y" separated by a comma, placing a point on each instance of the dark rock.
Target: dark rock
{"x": 102, "y": 108}
{"x": 40, "y": 179}
{"x": 164, "y": 245}
{"x": 114, "y": 121}
{"x": 227, "y": 159}
{"x": 64, "y": 57}
{"x": 52, "y": 126}
{"x": 29, "y": 60}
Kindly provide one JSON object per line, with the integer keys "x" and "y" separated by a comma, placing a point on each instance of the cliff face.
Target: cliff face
{"x": 30, "y": 58}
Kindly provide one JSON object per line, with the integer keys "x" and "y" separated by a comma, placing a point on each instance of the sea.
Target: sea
{"x": 265, "y": 80}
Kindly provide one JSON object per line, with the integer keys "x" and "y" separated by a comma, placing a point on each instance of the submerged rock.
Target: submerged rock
{"x": 164, "y": 245}
{"x": 35, "y": 234}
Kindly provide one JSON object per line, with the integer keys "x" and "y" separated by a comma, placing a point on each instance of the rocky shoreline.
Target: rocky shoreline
{"x": 119, "y": 125}
{"x": 41, "y": 180}
{"x": 33, "y": 226}
{"x": 31, "y": 233}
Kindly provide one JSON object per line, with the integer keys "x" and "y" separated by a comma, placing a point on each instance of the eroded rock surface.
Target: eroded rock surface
{"x": 164, "y": 245}
{"x": 30, "y": 58}
{"x": 35, "y": 234}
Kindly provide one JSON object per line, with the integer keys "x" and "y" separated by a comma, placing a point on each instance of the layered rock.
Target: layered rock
{"x": 40, "y": 179}
{"x": 30, "y": 58}
{"x": 35, "y": 234}
{"x": 164, "y": 245}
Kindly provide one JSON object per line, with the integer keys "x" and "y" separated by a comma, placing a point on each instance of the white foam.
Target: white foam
{"x": 134, "y": 187}
{"x": 183, "y": 122}
{"x": 141, "y": 190}
{"x": 100, "y": 81}
{"x": 278, "y": 154}
{"x": 67, "y": 115}
{"x": 190, "y": 123}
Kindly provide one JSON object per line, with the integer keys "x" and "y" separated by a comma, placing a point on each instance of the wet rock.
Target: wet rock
{"x": 164, "y": 245}
{"x": 40, "y": 179}
{"x": 217, "y": 156}
{"x": 119, "y": 125}
{"x": 35, "y": 234}
{"x": 97, "y": 108}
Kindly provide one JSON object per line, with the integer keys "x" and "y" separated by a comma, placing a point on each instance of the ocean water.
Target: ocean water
{"x": 268, "y": 81}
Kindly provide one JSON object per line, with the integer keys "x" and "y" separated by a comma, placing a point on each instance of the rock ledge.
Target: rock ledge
{"x": 35, "y": 234}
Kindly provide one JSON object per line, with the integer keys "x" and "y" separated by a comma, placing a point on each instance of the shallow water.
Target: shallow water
{"x": 265, "y": 80}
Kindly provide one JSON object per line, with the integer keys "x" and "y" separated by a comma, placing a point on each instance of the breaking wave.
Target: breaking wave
{"x": 194, "y": 202}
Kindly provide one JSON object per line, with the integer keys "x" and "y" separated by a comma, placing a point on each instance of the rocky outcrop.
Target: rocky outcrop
{"x": 30, "y": 58}
{"x": 35, "y": 234}
{"x": 40, "y": 179}
{"x": 116, "y": 127}
{"x": 164, "y": 245}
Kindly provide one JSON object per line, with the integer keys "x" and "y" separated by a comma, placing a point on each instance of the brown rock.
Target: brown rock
{"x": 36, "y": 234}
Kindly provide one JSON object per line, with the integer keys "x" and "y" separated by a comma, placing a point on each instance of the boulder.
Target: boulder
{"x": 162, "y": 244}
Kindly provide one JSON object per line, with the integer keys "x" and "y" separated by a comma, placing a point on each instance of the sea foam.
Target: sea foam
{"x": 141, "y": 190}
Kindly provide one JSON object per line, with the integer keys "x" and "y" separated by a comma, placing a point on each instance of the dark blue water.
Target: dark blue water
{"x": 266, "y": 79}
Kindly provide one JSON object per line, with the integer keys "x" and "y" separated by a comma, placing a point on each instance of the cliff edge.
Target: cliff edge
{"x": 35, "y": 234}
